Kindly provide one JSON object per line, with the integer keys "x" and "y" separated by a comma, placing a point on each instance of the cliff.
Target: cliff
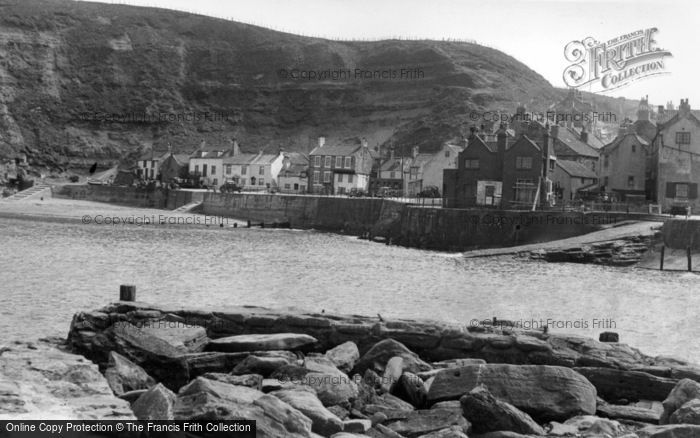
{"x": 83, "y": 82}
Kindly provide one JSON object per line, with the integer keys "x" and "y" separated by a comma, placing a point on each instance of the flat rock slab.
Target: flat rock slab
{"x": 40, "y": 381}
{"x": 265, "y": 342}
{"x": 613, "y": 385}
{"x": 545, "y": 392}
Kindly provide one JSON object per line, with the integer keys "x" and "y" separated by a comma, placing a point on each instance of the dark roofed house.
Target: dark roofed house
{"x": 294, "y": 175}
{"x": 569, "y": 177}
{"x": 340, "y": 167}
{"x": 573, "y": 146}
{"x": 174, "y": 166}
{"x": 623, "y": 167}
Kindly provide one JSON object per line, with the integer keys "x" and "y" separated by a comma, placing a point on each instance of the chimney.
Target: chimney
{"x": 202, "y": 144}
{"x": 235, "y": 150}
{"x": 415, "y": 151}
{"x": 472, "y": 133}
{"x": 584, "y": 135}
{"x": 391, "y": 153}
{"x": 502, "y": 143}
{"x": 321, "y": 141}
{"x": 684, "y": 108}
{"x": 364, "y": 142}
{"x": 660, "y": 112}
{"x": 555, "y": 130}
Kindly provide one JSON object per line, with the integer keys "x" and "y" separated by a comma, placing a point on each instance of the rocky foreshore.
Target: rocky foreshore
{"x": 619, "y": 252}
{"x": 344, "y": 376}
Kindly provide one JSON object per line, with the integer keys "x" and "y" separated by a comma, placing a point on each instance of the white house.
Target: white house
{"x": 148, "y": 164}
{"x": 206, "y": 164}
{"x": 252, "y": 171}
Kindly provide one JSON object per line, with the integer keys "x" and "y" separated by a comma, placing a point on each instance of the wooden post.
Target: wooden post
{"x": 127, "y": 292}
{"x": 661, "y": 261}
{"x": 690, "y": 260}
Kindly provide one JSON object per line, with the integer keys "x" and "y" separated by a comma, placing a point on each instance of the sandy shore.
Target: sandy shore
{"x": 88, "y": 212}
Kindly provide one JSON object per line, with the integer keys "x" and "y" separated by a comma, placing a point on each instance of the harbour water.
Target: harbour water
{"x": 51, "y": 269}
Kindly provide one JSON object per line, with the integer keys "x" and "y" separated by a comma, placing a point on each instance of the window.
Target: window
{"x": 681, "y": 190}
{"x": 340, "y": 177}
{"x": 213, "y": 170}
{"x": 471, "y": 163}
{"x": 338, "y": 162}
{"x": 523, "y": 162}
{"x": 682, "y": 138}
{"x": 296, "y": 186}
{"x": 244, "y": 170}
{"x": 317, "y": 161}
{"x": 551, "y": 165}
{"x": 228, "y": 169}
{"x": 583, "y": 181}
{"x": 145, "y": 164}
{"x": 414, "y": 172}
{"x": 261, "y": 170}
{"x": 317, "y": 177}
{"x": 288, "y": 186}
{"x": 326, "y": 176}
{"x": 630, "y": 181}
{"x": 606, "y": 162}
{"x": 153, "y": 162}
{"x": 350, "y": 178}
{"x": 348, "y": 162}
{"x": 393, "y": 175}
{"x": 447, "y": 154}
{"x": 216, "y": 181}
{"x": 328, "y": 161}
{"x": 151, "y": 173}
{"x": 196, "y": 168}
{"x": 593, "y": 166}
{"x": 243, "y": 181}
{"x": 634, "y": 148}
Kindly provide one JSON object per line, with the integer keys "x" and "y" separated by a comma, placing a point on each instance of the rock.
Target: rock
{"x": 264, "y": 366}
{"x": 428, "y": 383}
{"x": 609, "y": 337}
{"x": 324, "y": 421}
{"x": 269, "y": 385}
{"x": 628, "y": 412}
{"x": 670, "y": 431}
{"x": 262, "y": 342}
{"x": 588, "y": 426}
{"x": 347, "y": 435}
{"x": 339, "y": 411}
{"x": 132, "y": 396}
{"x": 185, "y": 338}
{"x": 488, "y": 414}
{"x": 162, "y": 360}
{"x": 42, "y": 381}
{"x": 449, "y": 404}
{"x": 320, "y": 364}
{"x": 683, "y": 392}
{"x": 250, "y": 380}
{"x": 344, "y": 356}
{"x": 332, "y": 389}
{"x": 410, "y": 388}
{"x": 290, "y": 374}
{"x": 450, "y": 432}
{"x": 378, "y": 418}
{"x": 688, "y": 413}
{"x": 123, "y": 375}
{"x": 380, "y": 353}
{"x": 155, "y": 404}
{"x": 386, "y": 403}
{"x": 381, "y": 431}
{"x": 544, "y": 392}
{"x": 422, "y": 422}
{"x": 456, "y": 363}
{"x": 392, "y": 373}
{"x": 613, "y": 385}
{"x": 357, "y": 426}
{"x": 204, "y": 398}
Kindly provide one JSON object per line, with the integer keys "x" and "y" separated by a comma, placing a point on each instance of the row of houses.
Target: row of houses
{"x": 340, "y": 167}
{"x": 655, "y": 159}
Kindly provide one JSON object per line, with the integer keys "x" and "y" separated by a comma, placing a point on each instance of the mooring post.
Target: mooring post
{"x": 127, "y": 292}
{"x": 690, "y": 260}
{"x": 661, "y": 260}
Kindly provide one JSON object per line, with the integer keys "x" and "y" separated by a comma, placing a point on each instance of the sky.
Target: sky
{"x": 534, "y": 32}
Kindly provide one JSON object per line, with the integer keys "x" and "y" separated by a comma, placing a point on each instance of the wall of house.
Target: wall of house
{"x": 433, "y": 170}
{"x": 676, "y": 166}
{"x": 217, "y": 174}
{"x": 511, "y": 174}
{"x": 623, "y": 163}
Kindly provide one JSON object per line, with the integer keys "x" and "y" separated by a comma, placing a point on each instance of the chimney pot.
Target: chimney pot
{"x": 321, "y": 141}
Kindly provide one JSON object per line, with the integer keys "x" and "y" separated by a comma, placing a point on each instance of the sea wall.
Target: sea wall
{"x": 351, "y": 215}
{"x": 462, "y": 229}
{"x": 129, "y": 196}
